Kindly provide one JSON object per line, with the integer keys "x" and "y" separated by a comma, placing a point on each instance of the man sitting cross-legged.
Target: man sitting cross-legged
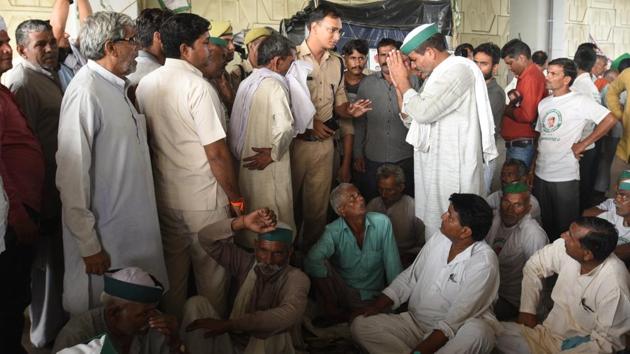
{"x": 354, "y": 259}
{"x": 450, "y": 289}
{"x": 128, "y": 323}
{"x": 514, "y": 236}
{"x": 617, "y": 211}
{"x": 591, "y": 297}
{"x": 270, "y": 296}
{"x": 514, "y": 170}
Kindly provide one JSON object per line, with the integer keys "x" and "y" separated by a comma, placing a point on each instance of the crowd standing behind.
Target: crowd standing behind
{"x": 162, "y": 194}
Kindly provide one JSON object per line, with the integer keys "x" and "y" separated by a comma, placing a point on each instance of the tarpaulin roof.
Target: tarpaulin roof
{"x": 372, "y": 21}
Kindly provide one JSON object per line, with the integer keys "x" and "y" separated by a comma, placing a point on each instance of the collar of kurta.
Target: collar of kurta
{"x": 345, "y": 225}
{"x": 108, "y": 346}
{"x": 107, "y": 75}
{"x": 303, "y": 50}
{"x": 515, "y": 226}
{"x": 462, "y": 256}
{"x": 148, "y": 56}
{"x": 183, "y": 65}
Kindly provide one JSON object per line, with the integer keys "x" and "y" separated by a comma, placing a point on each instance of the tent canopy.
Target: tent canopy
{"x": 377, "y": 20}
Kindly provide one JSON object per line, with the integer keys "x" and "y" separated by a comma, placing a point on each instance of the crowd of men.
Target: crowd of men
{"x": 161, "y": 194}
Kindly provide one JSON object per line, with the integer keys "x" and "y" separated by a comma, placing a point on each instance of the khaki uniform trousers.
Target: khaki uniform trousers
{"x": 181, "y": 249}
{"x": 312, "y": 174}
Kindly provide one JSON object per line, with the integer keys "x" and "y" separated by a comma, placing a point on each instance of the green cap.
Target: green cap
{"x": 133, "y": 284}
{"x": 218, "y": 41}
{"x": 279, "y": 234}
{"x": 516, "y": 187}
{"x": 418, "y": 36}
{"x": 624, "y": 184}
{"x": 625, "y": 174}
{"x": 617, "y": 61}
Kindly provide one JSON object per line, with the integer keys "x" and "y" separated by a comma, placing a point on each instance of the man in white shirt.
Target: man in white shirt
{"x": 514, "y": 236}
{"x": 561, "y": 119}
{"x": 514, "y": 170}
{"x": 194, "y": 174}
{"x": 450, "y": 288}
{"x": 151, "y": 55}
{"x": 584, "y": 59}
{"x": 591, "y": 296}
{"x": 617, "y": 211}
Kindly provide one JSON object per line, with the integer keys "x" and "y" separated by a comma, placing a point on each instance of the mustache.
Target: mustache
{"x": 268, "y": 269}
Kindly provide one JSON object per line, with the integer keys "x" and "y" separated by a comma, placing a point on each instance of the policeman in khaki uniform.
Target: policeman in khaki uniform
{"x": 312, "y": 152}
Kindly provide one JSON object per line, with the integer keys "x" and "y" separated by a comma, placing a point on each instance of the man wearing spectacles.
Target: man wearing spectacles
{"x": 617, "y": 211}
{"x": 312, "y": 152}
{"x": 591, "y": 296}
{"x": 104, "y": 168}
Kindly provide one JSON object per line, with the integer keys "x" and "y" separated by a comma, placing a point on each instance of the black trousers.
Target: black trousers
{"x": 15, "y": 296}
{"x": 559, "y": 205}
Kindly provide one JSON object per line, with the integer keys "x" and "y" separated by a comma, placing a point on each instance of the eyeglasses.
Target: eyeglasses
{"x": 130, "y": 40}
{"x": 333, "y": 30}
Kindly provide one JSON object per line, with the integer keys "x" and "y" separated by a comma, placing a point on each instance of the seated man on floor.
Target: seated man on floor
{"x": 591, "y": 296}
{"x": 515, "y": 237}
{"x": 355, "y": 258}
{"x": 450, "y": 289}
{"x": 617, "y": 211}
{"x": 128, "y": 322}
{"x": 270, "y": 297}
{"x": 400, "y": 208}
{"x": 514, "y": 170}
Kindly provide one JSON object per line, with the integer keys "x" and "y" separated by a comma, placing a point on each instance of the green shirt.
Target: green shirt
{"x": 365, "y": 269}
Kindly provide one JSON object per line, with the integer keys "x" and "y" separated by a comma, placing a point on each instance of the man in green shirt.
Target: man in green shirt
{"x": 355, "y": 258}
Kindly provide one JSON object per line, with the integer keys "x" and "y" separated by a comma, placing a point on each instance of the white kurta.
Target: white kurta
{"x": 106, "y": 185}
{"x": 454, "y": 297}
{"x": 454, "y": 162}
{"x": 595, "y": 304}
{"x": 270, "y": 125}
{"x": 514, "y": 245}
{"x": 610, "y": 214}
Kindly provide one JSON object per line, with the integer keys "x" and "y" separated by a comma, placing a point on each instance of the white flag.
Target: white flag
{"x": 176, "y": 6}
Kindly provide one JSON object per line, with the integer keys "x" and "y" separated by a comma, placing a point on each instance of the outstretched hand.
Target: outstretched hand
{"x": 359, "y": 108}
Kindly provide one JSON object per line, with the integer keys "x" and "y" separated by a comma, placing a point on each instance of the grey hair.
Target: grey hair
{"x": 28, "y": 26}
{"x": 100, "y": 28}
{"x": 389, "y": 170}
{"x": 337, "y": 196}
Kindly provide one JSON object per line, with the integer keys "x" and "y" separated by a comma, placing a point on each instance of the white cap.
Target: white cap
{"x": 3, "y": 25}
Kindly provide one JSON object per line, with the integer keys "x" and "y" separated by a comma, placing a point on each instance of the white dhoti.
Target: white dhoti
{"x": 393, "y": 334}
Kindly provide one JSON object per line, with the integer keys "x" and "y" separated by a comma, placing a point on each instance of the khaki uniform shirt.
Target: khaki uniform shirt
{"x": 183, "y": 114}
{"x": 325, "y": 84}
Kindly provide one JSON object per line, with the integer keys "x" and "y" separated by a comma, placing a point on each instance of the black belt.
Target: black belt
{"x": 522, "y": 143}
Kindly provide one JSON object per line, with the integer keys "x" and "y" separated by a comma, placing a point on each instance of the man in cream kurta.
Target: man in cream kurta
{"x": 193, "y": 168}
{"x": 591, "y": 296}
{"x": 104, "y": 174}
{"x": 261, "y": 131}
{"x": 452, "y": 128}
